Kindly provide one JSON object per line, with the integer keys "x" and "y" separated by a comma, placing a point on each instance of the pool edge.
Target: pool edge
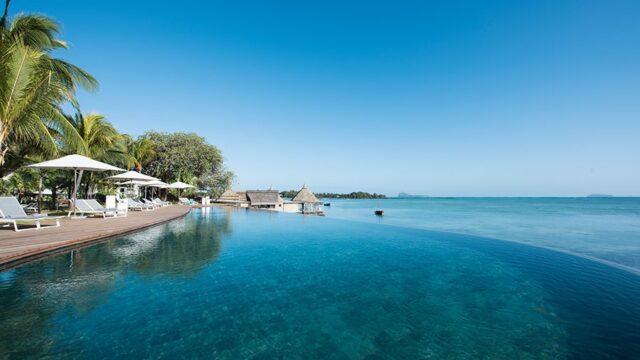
{"x": 41, "y": 253}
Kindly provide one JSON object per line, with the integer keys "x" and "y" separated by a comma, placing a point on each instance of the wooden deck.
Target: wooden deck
{"x": 19, "y": 247}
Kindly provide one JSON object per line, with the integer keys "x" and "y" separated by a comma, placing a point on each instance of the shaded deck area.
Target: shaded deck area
{"x": 20, "y": 247}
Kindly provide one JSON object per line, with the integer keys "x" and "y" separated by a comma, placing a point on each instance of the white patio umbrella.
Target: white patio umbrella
{"x": 134, "y": 178}
{"x": 132, "y": 182}
{"x": 179, "y": 185}
{"x": 157, "y": 184}
{"x": 78, "y": 164}
{"x": 132, "y": 175}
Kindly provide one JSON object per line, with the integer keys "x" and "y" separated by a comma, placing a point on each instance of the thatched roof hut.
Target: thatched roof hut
{"x": 264, "y": 197}
{"x": 305, "y": 196}
{"x": 229, "y": 196}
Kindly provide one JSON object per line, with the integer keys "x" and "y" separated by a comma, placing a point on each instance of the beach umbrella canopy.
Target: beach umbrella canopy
{"x": 179, "y": 185}
{"x": 132, "y": 182}
{"x": 75, "y": 162}
{"x": 156, "y": 183}
{"x": 44, "y": 192}
{"x": 132, "y": 175}
{"x": 78, "y": 164}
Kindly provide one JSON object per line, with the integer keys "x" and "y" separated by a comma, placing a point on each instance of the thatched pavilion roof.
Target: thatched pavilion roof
{"x": 305, "y": 196}
{"x": 229, "y": 196}
{"x": 263, "y": 197}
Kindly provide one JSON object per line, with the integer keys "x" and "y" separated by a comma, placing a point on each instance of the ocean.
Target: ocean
{"x": 230, "y": 283}
{"x": 606, "y": 229}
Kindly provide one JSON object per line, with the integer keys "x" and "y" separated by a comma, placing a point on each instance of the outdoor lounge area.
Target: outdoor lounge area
{"x": 28, "y": 231}
{"x": 13, "y": 213}
{"x": 19, "y": 246}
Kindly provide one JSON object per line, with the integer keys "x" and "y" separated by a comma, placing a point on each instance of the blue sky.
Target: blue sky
{"x": 451, "y": 98}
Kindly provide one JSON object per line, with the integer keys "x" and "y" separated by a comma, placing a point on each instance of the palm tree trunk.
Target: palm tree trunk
{"x": 3, "y": 147}
{"x": 3, "y": 22}
{"x": 54, "y": 197}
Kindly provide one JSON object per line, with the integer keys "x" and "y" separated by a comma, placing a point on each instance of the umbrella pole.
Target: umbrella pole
{"x": 75, "y": 189}
{"x": 73, "y": 195}
{"x": 77, "y": 175}
{"x": 40, "y": 193}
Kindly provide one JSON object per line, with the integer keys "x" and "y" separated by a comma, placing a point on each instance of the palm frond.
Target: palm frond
{"x": 35, "y": 31}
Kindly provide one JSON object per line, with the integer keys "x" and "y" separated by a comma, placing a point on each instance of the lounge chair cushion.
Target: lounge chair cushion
{"x": 10, "y": 208}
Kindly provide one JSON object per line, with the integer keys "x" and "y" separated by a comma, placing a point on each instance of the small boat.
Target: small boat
{"x": 327, "y": 204}
{"x": 379, "y": 212}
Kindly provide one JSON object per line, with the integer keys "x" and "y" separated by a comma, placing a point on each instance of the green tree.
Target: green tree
{"x": 215, "y": 184}
{"x": 182, "y": 155}
{"x": 99, "y": 139}
{"x": 141, "y": 151}
{"x": 34, "y": 85}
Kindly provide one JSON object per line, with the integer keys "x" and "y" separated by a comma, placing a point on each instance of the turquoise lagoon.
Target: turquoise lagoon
{"x": 238, "y": 284}
{"x": 606, "y": 228}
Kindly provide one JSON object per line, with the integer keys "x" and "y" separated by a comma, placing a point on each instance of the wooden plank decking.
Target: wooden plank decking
{"x": 20, "y": 247}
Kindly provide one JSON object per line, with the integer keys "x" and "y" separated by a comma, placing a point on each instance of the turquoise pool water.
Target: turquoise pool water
{"x": 258, "y": 285}
{"x": 603, "y": 228}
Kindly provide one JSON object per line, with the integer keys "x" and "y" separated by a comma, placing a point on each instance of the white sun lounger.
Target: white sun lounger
{"x": 82, "y": 207}
{"x": 149, "y": 202}
{"x": 131, "y": 205}
{"x": 185, "y": 201}
{"x": 95, "y": 205}
{"x": 137, "y": 205}
{"x": 11, "y": 212}
{"x": 160, "y": 202}
{"x": 30, "y": 207}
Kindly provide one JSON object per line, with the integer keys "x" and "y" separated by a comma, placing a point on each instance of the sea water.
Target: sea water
{"x": 606, "y": 228}
{"x": 242, "y": 284}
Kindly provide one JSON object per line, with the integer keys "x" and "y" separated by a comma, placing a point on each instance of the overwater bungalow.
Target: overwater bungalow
{"x": 305, "y": 202}
{"x": 229, "y": 197}
{"x": 265, "y": 199}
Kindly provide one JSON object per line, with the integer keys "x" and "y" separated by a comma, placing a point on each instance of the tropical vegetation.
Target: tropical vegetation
{"x": 34, "y": 85}
{"x": 35, "y": 89}
{"x": 353, "y": 195}
{"x": 187, "y": 157}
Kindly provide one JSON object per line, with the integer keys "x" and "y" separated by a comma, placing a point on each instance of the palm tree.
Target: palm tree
{"x": 141, "y": 151}
{"x": 34, "y": 85}
{"x": 98, "y": 139}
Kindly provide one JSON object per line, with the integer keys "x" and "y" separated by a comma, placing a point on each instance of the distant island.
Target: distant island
{"x": 404, "y": 195}
{"x": 354, "y": 195}
{"x": 599, "y": 196}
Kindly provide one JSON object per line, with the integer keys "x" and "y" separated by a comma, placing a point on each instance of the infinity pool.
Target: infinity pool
{"x": 239, "y": 284}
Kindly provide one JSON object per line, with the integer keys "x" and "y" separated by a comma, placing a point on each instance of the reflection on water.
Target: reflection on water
{"x": 81, "y": 280}
{"x": 287, "y": 286}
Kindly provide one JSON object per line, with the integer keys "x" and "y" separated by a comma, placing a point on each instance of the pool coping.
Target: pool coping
{"x": 50, "y": 250}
